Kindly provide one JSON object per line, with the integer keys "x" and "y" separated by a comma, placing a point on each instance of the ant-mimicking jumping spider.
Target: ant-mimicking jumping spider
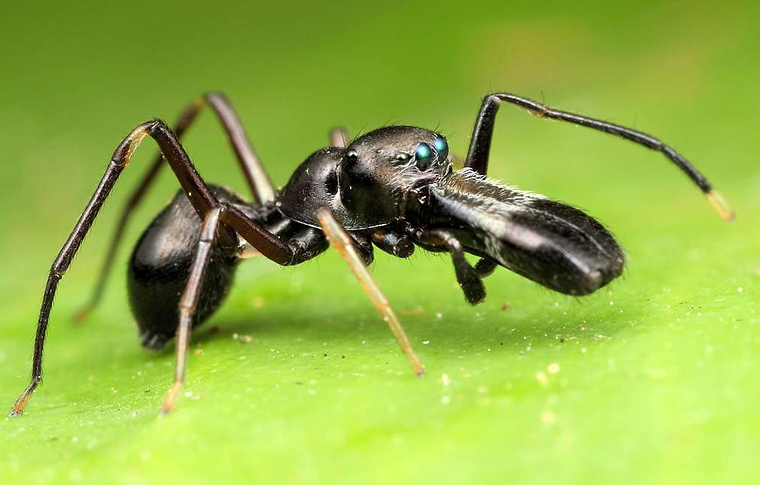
{"x": 394, "y": 188}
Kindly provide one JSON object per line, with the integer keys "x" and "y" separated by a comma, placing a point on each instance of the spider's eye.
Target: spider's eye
{"x": 423, "y": 156}
{"x": 442, "y": 147}
{"x": 352, "y": 157}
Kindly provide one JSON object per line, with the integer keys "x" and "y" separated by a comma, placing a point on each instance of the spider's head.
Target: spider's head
{"x": 366, "y": 184}
{"x": 379, "y": 169}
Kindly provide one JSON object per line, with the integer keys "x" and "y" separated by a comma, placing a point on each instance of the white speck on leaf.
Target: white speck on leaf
{"x": 541, "y": 378}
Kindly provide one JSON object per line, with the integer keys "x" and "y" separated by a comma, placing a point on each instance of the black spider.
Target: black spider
{"x": 394, "y": 188}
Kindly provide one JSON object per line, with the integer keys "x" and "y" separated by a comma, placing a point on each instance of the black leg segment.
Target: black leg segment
{"x": 199, "y": 195}
{"x": 480, "y": 144}
{"x": 258, "y": 181}
{"x": 467, "y": 276}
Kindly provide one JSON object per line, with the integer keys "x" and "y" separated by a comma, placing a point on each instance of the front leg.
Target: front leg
{"x": 480, "y": 144}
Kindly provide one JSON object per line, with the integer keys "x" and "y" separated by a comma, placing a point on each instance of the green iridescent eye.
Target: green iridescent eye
{"x": 442, "y": 147}
{"x": 423, "y": 155}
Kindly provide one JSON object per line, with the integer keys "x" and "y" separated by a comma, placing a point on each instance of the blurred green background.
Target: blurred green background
{"x": 653, "y": 379}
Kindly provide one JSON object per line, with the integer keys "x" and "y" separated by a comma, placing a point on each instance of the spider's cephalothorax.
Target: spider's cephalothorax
{"x": 366, "y": 184}
{"x": 393, "y": 188}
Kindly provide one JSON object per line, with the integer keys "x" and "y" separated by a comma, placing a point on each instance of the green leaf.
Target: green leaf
{"x": 296, "y": 378}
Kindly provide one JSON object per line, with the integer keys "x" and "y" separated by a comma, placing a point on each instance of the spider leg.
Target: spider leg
{"x": 480, "y": 144}
{"x": 189, "y": 301}
{"x": 468, "y": 277}
{"x": 255, "y": 175}
{"x": 339, "y": 137}
{"x": 485, "y": 267}
{"x": 199, "y": 195}
{"x": 258, "y": 180}
{"x": 342, "y": 242}
{"x": 392, "y": 242}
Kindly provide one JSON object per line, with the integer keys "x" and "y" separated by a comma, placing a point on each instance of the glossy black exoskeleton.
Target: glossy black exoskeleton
{"x": 161, "y": 263}
{"x": 394, "y": 188}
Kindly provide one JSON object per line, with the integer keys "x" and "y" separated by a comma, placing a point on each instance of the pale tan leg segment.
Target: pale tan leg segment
{"x": 721, "y": 205}
{"x": 188, "y": 303}
{"x": 342, "y": 243}
{"x": 338, "y": 137}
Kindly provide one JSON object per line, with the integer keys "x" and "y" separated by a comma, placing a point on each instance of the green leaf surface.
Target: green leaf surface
{"x": 653, "y": 379}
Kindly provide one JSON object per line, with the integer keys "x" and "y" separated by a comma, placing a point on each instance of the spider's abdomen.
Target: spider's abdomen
{"x": 160, "y": 266}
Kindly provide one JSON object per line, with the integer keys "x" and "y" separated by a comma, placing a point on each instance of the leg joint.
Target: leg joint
{"x": 492, "y": 99}
{"x": 187, "y": 308}
{"x": 57, "y": 272}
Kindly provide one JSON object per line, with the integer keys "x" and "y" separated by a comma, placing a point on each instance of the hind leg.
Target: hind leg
{"x": 255, "y": 175}
{"x": 197, "y": 192}
{"x": 189, "y": 301}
